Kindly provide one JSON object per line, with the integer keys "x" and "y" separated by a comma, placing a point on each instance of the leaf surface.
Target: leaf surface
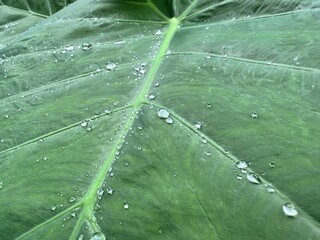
{"x": 86, "y": 152}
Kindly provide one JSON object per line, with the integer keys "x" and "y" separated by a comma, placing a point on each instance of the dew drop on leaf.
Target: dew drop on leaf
{"x": 151, "y": 96}
{"x": 241, "y": 164}
{"x": 110, "y": 66}
{"x": 98, "y": 236}
{"x": 289, "y": 210}
{"x": 239, "y": 177}
{"x": 270, "y": 188}
{"x": 254, "y": 115}
{"x": 110, "y": 190}
{"x": 169, "y": 120}
{"x": 100, "y": 193}
{"x": 253, "y": 178}
{"x": 272, "y": 164}
{"x": 163, "y": 113}
{"x": 71, "y": 199}
{"x": 156, "y": 84}
{"x": 53, "y": 207}
{"x": 198, "y": 125}
{"x": 108, "y": 110}
{"x": 126, "y": 205}
{"x": 86, "y": 46}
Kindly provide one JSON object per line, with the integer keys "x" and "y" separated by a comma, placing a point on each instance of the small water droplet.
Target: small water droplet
{"x": 289, "y": 210}
{"x": 272, "y": 164}
{"x": 86, "y": 46}
{"x": 239, "y": 177}
{"x": 140, "y": 127}
{"x": 163, "y": 113}
{"x": 110, "y": 190}
{"x": 296, "y": 60}
{"x": 110, "y": 66}
{"x": 126, "y": 164}
{"x": 253, "y": 178}
{"x": 208, "y": 153}
{"x": 71, "y": 199}
{"x": 108, "y": 110}
{"x": 198, "y": 125}
{"x": 158, "y": 32}
{"x": 156, "y": 84}
{"x": 169, "y": 120}
{"x": 98, "y": 236}
{"x": 270, "y": 188}
{"x": 209, "y": 105}
{"x": 53, "y": 207}
{"x": 81, "y": 237}
{"x": 204, "y": 140}
{"x": 89, "y": 129}
{"x": 241, "y": 164}
{"x": 84, "y": 124}
{"x": 100, "y": 193}
{"x": 151, "y": 96}
{"x": 45, "y": 158}
{"x": 254, "y": 115}
{"x": 126, "y": 205}
{"x": 73, "y": 214}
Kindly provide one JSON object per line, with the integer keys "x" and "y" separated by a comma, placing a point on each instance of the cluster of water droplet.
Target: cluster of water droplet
{"x": 164, "y": 114}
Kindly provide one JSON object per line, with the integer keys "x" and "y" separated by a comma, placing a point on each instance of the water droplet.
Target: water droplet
{"x": 73, "y": 214}
{"x": 53, "y": 207}
{"x": 158, "y": 32}
{"x": 253, "y": 178}
{"x": 126, "y": 164}
{"x": 163, "y": 113}
{"x": 289, "y": 210}
{"x": 81, "y": 237}
{"x": 108, "y": 110}
{"x": 151, "y": 96}
{"x": 71, "y": 199}
{"x": 241, "y": 164}
{"x": 272, "y": 164}
{"x": 140, "y": 127}
{"x": 296, "y": 60}
{"x": 110, "y": 66}
{"x": 45, "y": 158}
{"x": 254, "y": 115}
{"x": 100, "y": 193}
{"x": 98, "y": 236}
{"x": 204, "y": 140}
{"x": 156, "y": 84}
{"x": 270, "y": 188}
{"x": 69, "y": 48}
{"x": 89, "y": 129}
{"x": 169, "y": 120}
{"x": 84, "y": 124}
{"x": 208, "y": 153}
{"x": 209, "y": 105}
{"x": 126, "y": 205}
{"x": 239, "y": 177}
{"x": 110, "y": 190}
{"x": 86, "y": 46}
{"x": 198, "y": 125}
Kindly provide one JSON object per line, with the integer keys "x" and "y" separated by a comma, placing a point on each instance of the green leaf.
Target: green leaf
{"x": 159, "y": 119}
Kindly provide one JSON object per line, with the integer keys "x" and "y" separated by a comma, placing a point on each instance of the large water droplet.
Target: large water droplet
{"x": 289, "y": 210}
{"x": 253, "y": 178}
{"x": 110, "y": 66}
{"x": 241, "y": 164}
{"x": 163, "y": 113}
{"x": 126, "y": 205}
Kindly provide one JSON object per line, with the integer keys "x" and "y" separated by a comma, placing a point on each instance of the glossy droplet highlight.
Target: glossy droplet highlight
{"x": 126, "y": 205}
{"x": 100, "y": 193}
{"x": 71, "y": 199}
{"x": 53, "y": 208}
{"x": 163, "y": 113}
{"x": 151, "y": 96}
{"x": 289, "y": 210}
{"x": 253, "y": 178}
{"x": 241, "y": 164}
{"x": 110, "y": 66}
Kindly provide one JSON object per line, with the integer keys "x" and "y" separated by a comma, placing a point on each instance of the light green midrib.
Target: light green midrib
{"x": 90, "y": 198}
